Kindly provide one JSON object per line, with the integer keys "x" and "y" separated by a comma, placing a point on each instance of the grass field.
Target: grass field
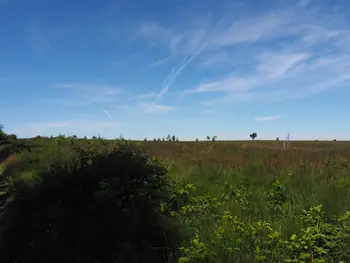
{"x": 250, "y": 201}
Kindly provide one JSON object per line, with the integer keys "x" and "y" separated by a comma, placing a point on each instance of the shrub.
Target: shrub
{"x": 12, "y": 137}
{"x": 3, "y": 135}
{"x": 95, "y": 207}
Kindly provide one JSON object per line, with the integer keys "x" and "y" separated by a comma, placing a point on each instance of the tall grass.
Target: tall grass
{"x": 261, "y": 192}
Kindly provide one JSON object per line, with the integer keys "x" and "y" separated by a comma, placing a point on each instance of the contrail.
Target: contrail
{"x": 107, "y": 113}
{"x": 177, "y": 70}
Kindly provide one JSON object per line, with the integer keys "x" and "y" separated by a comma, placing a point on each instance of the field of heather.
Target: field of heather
{"x": 247, "y": 201}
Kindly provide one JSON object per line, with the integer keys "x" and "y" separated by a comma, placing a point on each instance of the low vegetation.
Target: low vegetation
{"x": 79, "y": 200}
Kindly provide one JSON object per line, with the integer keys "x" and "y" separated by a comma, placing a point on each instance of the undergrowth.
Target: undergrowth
{"x": 109, "y": 202}
{"x": 214, "y": 234}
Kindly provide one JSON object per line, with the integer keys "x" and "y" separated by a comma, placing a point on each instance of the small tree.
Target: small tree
{"x": 2, "y": 133}
{"x": 214, "y": 138}
{"x": 174, "y": 138}
{"x": 208, "y": 138}
{"x": 11, "y": 137}
{"x": 253, "y": 135}
{"x": 277, "y": 139}
{"x": 197, "y": 140}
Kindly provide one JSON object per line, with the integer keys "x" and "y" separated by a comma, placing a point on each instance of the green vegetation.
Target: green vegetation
{"x": 76, "y": 200}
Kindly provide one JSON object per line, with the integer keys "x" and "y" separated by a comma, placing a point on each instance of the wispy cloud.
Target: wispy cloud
{"x": 108, "y": 114}
{"x": 84, "y": 93}
{"x": 105, "y": 89}
{"x": 151, "y": 108}
{"x": 176, "y": 71}
{"x": 147, "y": 95}
{"x": 63, "y": 124}
{"x": 277, "y": 64}
{"x": 58, "y": 124}
{"x": 66, "y": 127}
{"x": 296, "y": 69}
{"x": 157, "y": 63}
{"x": 216, "y": 58}
{"x": 294, "y": 52}
{"x": 191, "y": 43}
{"x": 267, "y": 118}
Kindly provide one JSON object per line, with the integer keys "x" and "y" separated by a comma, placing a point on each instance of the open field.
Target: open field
{"x": 240, "y": 201}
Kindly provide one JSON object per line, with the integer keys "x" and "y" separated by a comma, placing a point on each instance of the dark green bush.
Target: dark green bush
{"x": 91, "y": 207}
{"x": 11, "y": 137}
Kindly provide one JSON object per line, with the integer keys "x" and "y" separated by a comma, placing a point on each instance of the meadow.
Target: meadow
{"x": 244, "y": 201}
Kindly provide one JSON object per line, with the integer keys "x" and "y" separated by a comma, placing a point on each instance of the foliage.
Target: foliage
{"x": 99, "y": 205}
{"x": 3, "y": 135}
{"x": 253, "y": 135}
{"x": 226, "y": 201}
{"x": 229, "y": 239}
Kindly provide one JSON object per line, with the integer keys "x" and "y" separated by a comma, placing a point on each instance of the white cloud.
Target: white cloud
{"x": 65, "y": 127}
{"x": 147, "y": 95}
{"x": 215, "y": 59}
{"x": 267, "y": 118}
{"x": 59, "y": 124}
{"x": 155, "y": 108}
{"x": 233, "y": 83}
{"x": 86, "y": 93}
{"x": 63, "y": 124}
{"x": 261, "y": 28}
{"x": 96, "y": 88}
{"x": 287, "y": 53}
{"x": 277, "y": 64}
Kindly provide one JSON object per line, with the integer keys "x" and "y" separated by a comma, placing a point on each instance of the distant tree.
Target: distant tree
{"x": 253, "y": 135}
{"x": 2, "y": 133}
{"x": 163, "y": 139}
{"x": 177, "y": 139}
{"x": 197, "y": 140}
{"x": 168, "y": 138}
{"x": 75, "y": 137}
{"x": 208, "y": 138}
{"x": 159, "y": 140}
{"x": 277, "y": 139}
{"x": 173, "y": 138}
{"x": 85, "y": 137}
{"x": 334, "y": 140}
{"x": 154, "y": 139}
{"x": 11, "y": 137}
{"x": 145, "y": 140}
{"x": 214, "y": 138}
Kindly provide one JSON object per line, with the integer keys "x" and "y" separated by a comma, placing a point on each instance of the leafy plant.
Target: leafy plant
{"x": 95, "y": 206}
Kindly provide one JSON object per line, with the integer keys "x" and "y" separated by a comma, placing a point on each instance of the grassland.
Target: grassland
{"x": 252, "y": 201}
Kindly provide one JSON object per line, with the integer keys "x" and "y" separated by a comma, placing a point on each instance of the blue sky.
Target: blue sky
{"x": 186, "y": 67}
